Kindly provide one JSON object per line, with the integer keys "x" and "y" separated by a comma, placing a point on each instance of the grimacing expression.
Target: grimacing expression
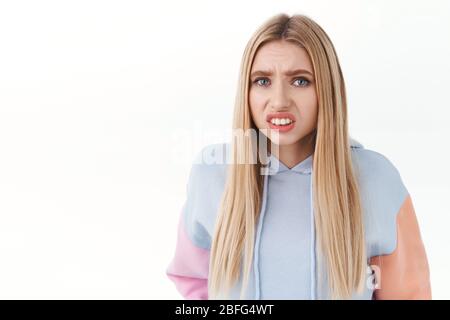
{"x": 282, "y": 93}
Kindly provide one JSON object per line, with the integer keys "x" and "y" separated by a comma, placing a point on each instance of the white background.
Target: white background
{"x": 100, "y": 102}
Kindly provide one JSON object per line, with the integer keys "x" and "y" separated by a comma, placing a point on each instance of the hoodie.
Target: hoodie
{"x": 286, "y": 260}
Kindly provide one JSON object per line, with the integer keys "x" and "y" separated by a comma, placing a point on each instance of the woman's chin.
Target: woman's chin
{"x": 282, "y": 140}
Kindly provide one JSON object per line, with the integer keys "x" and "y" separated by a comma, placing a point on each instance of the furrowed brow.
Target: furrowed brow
{"x": 288, "y": 73}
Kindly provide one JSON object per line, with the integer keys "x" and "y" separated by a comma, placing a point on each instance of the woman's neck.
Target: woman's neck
{"x": 292, "y": 154}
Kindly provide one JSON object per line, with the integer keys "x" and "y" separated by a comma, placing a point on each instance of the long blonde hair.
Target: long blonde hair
{"x": 337, "y": 207}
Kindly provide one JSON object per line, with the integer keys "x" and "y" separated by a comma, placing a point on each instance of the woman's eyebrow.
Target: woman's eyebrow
{"x": 288, "y": 73}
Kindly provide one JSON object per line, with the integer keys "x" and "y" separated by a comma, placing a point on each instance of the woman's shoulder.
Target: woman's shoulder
{"x": 375, "y": 170}
{"x": 209, "y": 166}
{"x": 369, "y": 157}
{"x": 204, "y": 188}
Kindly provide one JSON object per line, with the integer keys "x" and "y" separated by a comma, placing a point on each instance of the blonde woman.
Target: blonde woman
{"x": 319, "y": 217}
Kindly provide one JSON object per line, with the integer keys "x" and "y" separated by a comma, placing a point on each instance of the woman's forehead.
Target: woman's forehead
{"x": 281, "y": 56}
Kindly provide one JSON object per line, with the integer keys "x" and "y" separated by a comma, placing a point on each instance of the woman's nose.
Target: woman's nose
{"x": 280, "y": 98}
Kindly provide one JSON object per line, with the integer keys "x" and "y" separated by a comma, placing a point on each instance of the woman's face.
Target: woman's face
{"x": 282, "y": 92}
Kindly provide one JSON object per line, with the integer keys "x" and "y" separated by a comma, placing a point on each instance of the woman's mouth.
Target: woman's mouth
{"x": 282, "y": 122}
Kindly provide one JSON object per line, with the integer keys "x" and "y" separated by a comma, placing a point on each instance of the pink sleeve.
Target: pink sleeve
{"x": 189, "y": 267}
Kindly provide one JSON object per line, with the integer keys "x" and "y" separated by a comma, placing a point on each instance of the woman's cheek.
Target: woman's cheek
{"x": 257, "y": 107}
{"x": 308, "y": 103}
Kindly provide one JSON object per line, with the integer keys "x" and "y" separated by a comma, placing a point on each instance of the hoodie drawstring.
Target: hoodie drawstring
{"x": 313, "y": 244}
{"x": 258, "y": 237}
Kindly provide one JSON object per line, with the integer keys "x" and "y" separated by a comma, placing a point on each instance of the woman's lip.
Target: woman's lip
{"x": 281, "y": 128}
{"x": 280, "y": 115}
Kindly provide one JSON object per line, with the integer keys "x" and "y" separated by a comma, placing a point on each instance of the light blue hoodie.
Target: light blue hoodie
{"x": 285, "y": 264}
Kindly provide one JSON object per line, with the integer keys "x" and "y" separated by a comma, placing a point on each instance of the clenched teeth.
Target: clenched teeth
{"x": 281, "y": 121}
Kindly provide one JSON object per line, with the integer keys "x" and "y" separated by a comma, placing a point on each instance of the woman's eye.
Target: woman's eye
{"x": 260, "y": 81}
{"x": 302, "y": 82}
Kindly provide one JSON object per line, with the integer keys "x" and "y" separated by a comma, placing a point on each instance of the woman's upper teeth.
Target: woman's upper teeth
{"x": 280, "y": 121}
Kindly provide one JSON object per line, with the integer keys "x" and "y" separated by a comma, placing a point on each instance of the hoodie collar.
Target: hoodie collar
{"x": 276, "y": 166}
{"x": 304, "y": 166}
